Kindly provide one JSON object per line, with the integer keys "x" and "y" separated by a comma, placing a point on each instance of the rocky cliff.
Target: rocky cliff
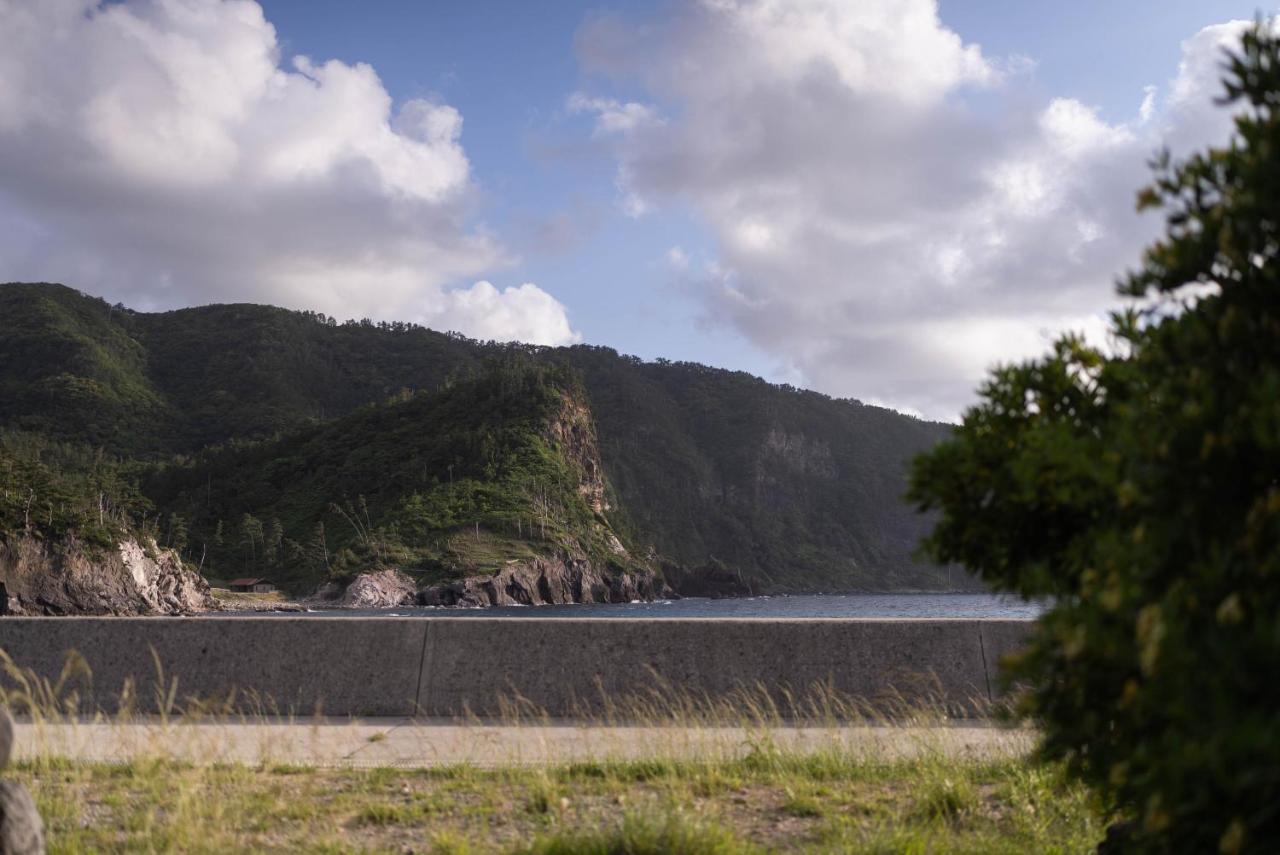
{"x": 546, "y": 580}
{"x": 66, "y": 578}
{"x": 591, "y": 566}
{"x": 573, "y": 431}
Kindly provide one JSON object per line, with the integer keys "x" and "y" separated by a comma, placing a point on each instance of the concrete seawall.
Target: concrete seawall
{"x": 452, "y": 666}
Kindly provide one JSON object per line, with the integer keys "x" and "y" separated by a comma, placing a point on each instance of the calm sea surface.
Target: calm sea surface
{"x": 818, "y": 606}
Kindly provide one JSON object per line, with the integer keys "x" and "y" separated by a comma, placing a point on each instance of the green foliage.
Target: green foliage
{"x": 459, "y": 480}
{"x": 1141, "y": 493}
{"x": 51, "y": 490}
{"x": 796, "y": 490}
{"x": 793, "y": 489}
{"x": 644, "y": 834}
{"x": 70, "y": 368}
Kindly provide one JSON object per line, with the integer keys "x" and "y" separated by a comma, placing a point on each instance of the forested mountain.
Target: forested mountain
{"x": 497, "y": 468}
{"x": 290, "y": 418}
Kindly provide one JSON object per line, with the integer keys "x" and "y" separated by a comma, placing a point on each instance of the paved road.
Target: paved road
{"x": 404, "y": 742}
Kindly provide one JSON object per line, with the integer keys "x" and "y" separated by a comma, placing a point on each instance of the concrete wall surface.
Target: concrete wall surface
{"x": 453, "y": 666}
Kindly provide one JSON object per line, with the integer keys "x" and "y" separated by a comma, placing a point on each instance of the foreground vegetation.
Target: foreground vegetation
{"x": 1138, "y": 489}
{"x": 662, "y": 772}
{"x": 767, "y": 801}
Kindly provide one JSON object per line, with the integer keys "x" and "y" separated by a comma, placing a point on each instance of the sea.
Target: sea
{"x": 798, "y": 606}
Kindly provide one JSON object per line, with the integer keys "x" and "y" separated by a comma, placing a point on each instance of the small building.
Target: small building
{"x": 252, "y": 585}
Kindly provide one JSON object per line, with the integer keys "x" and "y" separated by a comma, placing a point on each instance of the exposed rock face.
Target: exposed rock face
{"x": 547, "y": 580}
{"x": 712, "y": 580}
{"x": 574, "y": 430}
{"x": 379, "y": 589}
{"x": 797, "y": 453}
{"x": 68, "y": 579}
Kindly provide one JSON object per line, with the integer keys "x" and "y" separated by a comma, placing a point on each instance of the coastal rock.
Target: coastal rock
{"x": 542, "y": 581}
{"x": 713, "y": 580}
{"x": 69, "y": 578}
{"x": 379, "y": 589}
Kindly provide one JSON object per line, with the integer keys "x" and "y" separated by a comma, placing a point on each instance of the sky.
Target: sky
{"x": 878, "y": 200}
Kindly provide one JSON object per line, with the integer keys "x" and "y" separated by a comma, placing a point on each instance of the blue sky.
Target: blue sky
{"x": 877, "y": 199}
{"x": 509, "y": 67}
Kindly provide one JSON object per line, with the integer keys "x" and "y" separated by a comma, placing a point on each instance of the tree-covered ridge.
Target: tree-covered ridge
{"x": 796, "y": 490}
{"x": 446, "y": 483}
{"x": 70, "y": 368}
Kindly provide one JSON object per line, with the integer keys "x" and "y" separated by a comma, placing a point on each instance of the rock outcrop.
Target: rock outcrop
{"x": 569, "y": 576}
{"x": 713, "y": 580}
{"x": 21, "y": 829}
{"x": 378, "y": 589}
{"x": 573, "y": 430}
{"x": 542, "y": 581}
{"x": 70, "y": 579}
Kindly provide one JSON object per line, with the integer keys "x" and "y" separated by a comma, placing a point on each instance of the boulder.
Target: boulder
{"x": 379, "y": 589}
{"x": 21, "y": 830}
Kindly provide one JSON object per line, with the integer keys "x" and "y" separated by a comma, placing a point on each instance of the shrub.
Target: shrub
{"x": 1139, "y": 491}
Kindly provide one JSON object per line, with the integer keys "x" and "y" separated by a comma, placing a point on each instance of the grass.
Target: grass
{"x": 769, "y": 794}
{"x": 795, "y": 802}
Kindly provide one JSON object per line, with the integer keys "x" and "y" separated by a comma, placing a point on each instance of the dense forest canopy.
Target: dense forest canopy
{"x": 796, "y": 490}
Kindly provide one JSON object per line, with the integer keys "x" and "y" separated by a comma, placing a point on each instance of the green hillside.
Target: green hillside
{"x": 73, "y": 367}
{"x": 796, "y": 490}
{"x": 497, "y": 467}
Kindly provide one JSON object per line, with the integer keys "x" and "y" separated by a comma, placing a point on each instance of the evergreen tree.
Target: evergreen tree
{"x": 250, "y": 537}
{"x": 1140, "y": 493}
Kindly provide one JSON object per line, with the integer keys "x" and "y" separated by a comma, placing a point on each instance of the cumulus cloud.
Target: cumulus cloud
{"x": 893, "y": 211}
{"x": 158, "y": 152}
{"x": 526, "y": 313}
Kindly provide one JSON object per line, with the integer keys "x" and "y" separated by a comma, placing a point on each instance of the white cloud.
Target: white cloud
{"x": 156, "y": 151}
{"x": 526, "y": 313}
{"x": 874, "y": 230}
{"x": 614, "y": 117}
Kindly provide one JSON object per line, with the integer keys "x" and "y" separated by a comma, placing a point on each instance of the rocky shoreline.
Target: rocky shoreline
{"x": 538, "y": 581}
{"x": 70, "y": 578}
{"x": 136, "y": 579}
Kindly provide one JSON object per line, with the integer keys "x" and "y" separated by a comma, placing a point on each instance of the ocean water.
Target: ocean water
{"x": 800, "y": 606}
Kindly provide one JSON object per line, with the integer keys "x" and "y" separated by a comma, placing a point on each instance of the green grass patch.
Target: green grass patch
{"x": 795, "y": 802}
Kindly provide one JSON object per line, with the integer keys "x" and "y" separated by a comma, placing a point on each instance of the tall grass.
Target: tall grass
{"x": 748, "y": 771}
